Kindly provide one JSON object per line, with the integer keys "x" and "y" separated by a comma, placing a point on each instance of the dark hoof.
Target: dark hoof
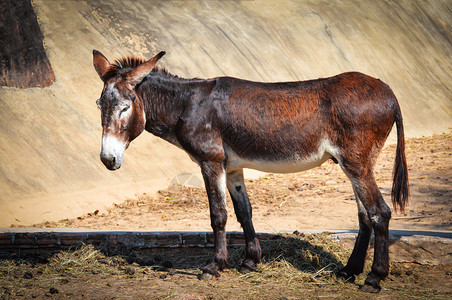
{"x": 370, "y": 289}
{"x": 372, "y": 284}
{"x": 346, "y": 276}
{"x": 247, "y": 267}
{"x": 209, "y": 272}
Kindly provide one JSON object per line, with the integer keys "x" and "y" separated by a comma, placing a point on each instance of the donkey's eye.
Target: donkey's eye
{"x": 124, "y": 110}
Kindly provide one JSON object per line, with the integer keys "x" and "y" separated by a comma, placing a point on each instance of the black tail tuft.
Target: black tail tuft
{"x": 400, "y": 185}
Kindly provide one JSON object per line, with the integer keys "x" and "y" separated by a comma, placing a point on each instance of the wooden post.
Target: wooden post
{"x": 24, "y": 62}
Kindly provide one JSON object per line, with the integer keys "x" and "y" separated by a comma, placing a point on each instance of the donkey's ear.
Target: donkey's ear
{"x": 136, "y": 75}
{"x": 101, "y": 63}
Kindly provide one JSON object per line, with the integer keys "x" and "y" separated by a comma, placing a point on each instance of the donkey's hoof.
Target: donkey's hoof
{"x": 346, "y": 276}
{"x": 247, "y": 267}
{"x": 370, "y": 289}
{"x": 208, "y": 273}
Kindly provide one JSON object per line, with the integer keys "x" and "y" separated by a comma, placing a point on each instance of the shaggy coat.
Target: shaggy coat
{"x": 226, "y": 124}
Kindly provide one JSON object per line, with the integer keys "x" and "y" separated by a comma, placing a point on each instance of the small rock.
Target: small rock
{"x": 53, "y": 291}
{"x": 409, "y": 272}
{"x": 28, "y": 275}
{"x": 205, "y": 276}
{"x": 162, "y": 276}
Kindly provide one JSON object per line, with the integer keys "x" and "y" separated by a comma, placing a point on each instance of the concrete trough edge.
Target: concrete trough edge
{"x": 424, "y": 247}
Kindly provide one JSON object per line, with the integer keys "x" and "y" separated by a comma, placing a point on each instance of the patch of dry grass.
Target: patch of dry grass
{"x": 287, "y": 260}
{"x": 296, "y": 260}
{"x": 293, "y": 266}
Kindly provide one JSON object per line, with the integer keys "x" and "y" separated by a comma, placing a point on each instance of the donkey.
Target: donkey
{"x": 226, "y": 124}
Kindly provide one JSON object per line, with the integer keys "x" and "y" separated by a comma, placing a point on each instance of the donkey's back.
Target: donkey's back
{"x": 294, "y": 126}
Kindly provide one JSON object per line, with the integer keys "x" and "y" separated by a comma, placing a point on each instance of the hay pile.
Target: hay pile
{"x": 294, "y": 259}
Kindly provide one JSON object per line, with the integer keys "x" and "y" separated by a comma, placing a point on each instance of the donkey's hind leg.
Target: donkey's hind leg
{"x": 243, "y": 211}
{"x": 379, "y": 214}
{"x": 355, "y": 264}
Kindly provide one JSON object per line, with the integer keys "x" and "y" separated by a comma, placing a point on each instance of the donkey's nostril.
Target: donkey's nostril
{"x": 109, "y": 161}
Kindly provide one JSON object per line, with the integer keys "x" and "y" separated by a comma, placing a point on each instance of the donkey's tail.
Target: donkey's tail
{"x": 400, "y": 189}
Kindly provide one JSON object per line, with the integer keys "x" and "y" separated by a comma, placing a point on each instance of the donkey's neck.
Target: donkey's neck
{"x": 165, "y": 98}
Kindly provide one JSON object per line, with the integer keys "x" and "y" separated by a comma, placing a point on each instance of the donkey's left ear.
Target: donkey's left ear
{"x": 101, "y": 63}
{"x": 136, "y": 75}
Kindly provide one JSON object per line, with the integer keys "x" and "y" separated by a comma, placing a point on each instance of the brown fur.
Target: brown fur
{"x": 223, "y": 122}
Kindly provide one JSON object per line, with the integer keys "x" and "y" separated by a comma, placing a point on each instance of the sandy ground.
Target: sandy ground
{"x": 320, "y": 198}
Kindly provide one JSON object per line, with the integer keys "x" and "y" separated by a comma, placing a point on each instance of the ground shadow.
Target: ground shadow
{"x": 309, "y": 254}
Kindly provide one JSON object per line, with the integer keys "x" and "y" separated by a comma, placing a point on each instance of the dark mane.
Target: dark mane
{"x": 121, "y": 64}
{"x": 164, "y": 72}
{"x": 131, "y": 62}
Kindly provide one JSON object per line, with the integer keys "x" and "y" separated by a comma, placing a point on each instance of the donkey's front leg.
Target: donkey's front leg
{"x": 243, "y": 211}
{"x": 215, "y": 181}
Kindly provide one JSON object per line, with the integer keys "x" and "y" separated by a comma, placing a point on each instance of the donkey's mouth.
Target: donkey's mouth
{"x": 110, "y": 162}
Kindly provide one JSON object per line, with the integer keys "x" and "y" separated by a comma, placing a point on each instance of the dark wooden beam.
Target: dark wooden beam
{"x": 24, "y": 62}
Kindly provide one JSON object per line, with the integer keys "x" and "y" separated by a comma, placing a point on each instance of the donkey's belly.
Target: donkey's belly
{"x": 292, "y": 164}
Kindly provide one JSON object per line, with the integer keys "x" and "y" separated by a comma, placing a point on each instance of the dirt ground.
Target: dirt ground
{"x": 293, "y": 267}
{"x": 321, "y": 198}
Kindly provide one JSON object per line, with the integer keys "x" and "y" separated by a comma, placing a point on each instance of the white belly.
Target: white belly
{"x": 293, "y": 164}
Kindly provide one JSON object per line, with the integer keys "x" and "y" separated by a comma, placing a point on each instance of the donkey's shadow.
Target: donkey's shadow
{"x": 308, "y": 254}
{"x": 311, "y": 254}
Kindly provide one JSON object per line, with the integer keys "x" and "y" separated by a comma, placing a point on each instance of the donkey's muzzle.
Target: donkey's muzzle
{"x": 110, "y": 162}
{"x": 112, "y": 152}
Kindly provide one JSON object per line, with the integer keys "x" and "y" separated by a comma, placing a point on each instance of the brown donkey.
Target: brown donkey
{"x": 226, "y": 124}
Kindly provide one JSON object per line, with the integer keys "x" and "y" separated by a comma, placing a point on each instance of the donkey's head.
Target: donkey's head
{"x": 122, "y": 113}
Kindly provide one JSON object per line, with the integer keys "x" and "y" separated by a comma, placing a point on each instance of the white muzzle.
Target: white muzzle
{"x": 112, "y": 152}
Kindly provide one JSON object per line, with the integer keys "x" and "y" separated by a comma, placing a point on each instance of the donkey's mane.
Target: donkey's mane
{"x": 127, "y": 62}
{"x": 121, "y": 64}
{"x": 131, "y": 62}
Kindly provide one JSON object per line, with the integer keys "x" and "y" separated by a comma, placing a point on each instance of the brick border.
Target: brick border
{"x": 407, "y": 248}
{"x": 143, "y": 240}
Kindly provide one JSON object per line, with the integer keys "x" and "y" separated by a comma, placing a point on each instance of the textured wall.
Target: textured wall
{"x": 50, "y": 137}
